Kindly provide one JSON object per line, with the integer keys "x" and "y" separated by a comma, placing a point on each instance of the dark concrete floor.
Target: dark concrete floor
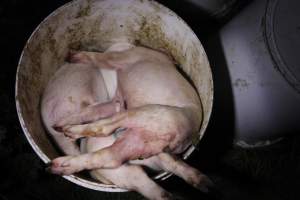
{"x": 265, "y": 173}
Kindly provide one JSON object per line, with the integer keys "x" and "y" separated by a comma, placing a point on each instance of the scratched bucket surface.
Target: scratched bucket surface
{"x": 95, "y": 25}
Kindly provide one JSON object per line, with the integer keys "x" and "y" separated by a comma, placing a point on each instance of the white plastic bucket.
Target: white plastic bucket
{"x": 95, "y": 25}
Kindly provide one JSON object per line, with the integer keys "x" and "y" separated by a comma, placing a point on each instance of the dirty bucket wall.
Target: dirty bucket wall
{"x": 261, "y": 47}
{"x": 95, "y": 25}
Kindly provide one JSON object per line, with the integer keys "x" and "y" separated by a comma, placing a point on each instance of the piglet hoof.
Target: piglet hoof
{"x": 65, "y": 165}
{"x": 209, "y": 188}
{"x": 74, "y": 131}
{"x": 204, "y": 184}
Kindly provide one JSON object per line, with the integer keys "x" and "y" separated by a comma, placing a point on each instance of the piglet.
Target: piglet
{"x": 77, "y": 87}
{"x": 161, "y": 109}
{"x": 80, "y": 88}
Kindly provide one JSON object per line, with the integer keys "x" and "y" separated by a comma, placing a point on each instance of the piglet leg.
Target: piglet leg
{"x": 132, "y": 144}
{"x": 90, "y": 113}
{"x": 191, "y": 175}
{"x": 174, "y": 165}
{"x": 133, "y": 177}
{"x": 159, "y": 119}
{"x": 100, "y": 128}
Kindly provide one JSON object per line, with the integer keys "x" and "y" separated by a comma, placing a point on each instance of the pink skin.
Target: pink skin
{"x": 75, "y": 94}
{"x": 163, "y": 109}
{"x": 61, "y": 99}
